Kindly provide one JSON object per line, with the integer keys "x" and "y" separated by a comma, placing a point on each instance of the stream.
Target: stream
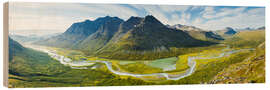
{"x": 80, "y": 64}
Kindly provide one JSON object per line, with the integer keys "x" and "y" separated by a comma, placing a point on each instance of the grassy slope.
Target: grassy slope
{"x": 31, "y": 62}
{"x": 205, "y": 36}
{"x": 140, "y": 68}
{"x": 146, "y": 41}
{"x": 74, "y": 77}
{"x": 246, "y": 39}
{"x": 251, "y": 70}
{"x": 30, "y": 68}
{"x": 25, "y": 61}
{"x": 206, "y": 72}
{"x": 149, "y": 55}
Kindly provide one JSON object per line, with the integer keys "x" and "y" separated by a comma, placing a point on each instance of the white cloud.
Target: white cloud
{"x": 197, "y": 22}
{"x": 210, "y": 13}
{"x": 236, "y": 18}
{"x": 257, "y": 11}
{"x": 196, "y": 7}
{"x": 241, "y": 20}
{"x": 165, "y": 11}
{"x": 156, "y": 12}
{"x": 173, "y": 8}
{"x": 58, "y": 17}
{"x": 175, "y": 19}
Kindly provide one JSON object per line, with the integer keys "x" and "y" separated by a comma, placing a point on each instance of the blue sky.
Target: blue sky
{"x": 57, "y": 17}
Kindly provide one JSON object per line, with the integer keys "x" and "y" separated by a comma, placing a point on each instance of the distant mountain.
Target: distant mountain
{"x": 229, "y": 31}
{"x": 78, "y": 32}
{"x": 212, "y": 35}
{"x": 148, "y": 34}
{"x": 185, "y": 27}
{"x": 261, "y": 28}
{"x": 31, "y": 38}
{"x": 197, "y": 32}
{"x": 138, "y": 35}
{"x": 244, "y": 29}
{"x": 250, "y": 29}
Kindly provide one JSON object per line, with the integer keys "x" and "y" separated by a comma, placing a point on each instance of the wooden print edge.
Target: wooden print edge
{"x": 5, "y": 43}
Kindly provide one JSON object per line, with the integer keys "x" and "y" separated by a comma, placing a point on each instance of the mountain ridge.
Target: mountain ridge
{"x": 99, "y": 38}
{"x": 137, "y": 35}
{"x": 229, "y": 31}
{"x": 77, "y": 32}
{"x": 198, "y": 33}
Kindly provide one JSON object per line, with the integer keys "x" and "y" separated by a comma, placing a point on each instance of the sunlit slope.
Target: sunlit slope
{"x": 148, "y": 38}
{"x": 25, "y": 61}
{"x": 198, "y": 33}
{"x": 205, "y": 35}
{"x": 226, "y": 32}
{"x": 101, "y": 37}
{"x": 136, "y": 38}
{"x": 30, "y": 68}
{"x": 82, "y": 34}
{"x": 251, "y": 70}
{"x": 242, "y": 67}
{"x": 246, "y": 39}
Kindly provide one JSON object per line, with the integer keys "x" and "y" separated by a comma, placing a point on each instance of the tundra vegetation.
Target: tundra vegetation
{"x": 135, "y": 46}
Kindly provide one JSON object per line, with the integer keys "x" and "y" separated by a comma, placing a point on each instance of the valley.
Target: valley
{"x": 138, "y": 38}
{"x": 134, "y": 52}
{"x": 157, "y": 68}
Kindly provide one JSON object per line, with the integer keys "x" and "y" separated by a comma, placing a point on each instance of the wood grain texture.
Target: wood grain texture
{"x": 5, "y": 36}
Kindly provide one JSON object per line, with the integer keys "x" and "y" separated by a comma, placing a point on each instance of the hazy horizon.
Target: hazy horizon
{"x": 48, "y": 18}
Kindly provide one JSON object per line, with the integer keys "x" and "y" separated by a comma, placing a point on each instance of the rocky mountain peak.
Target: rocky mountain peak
{"x": 229, "y": 31}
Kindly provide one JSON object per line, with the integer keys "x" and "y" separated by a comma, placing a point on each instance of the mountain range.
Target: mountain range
{"x": 112, "y": 36}
{"x": 261, "y": 28}
{"x": 30, "y": 38}
{"x": 250, "y": 29}
{"x": 198, "y": 33}
{"x": 229, "y": 31}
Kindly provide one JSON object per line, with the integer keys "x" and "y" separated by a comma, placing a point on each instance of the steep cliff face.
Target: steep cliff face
{"x": 102, "y": 36}
{"x": 109, "y": 35}
{"x": 78, "y": 32}
{"x": 139, "y": 35}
